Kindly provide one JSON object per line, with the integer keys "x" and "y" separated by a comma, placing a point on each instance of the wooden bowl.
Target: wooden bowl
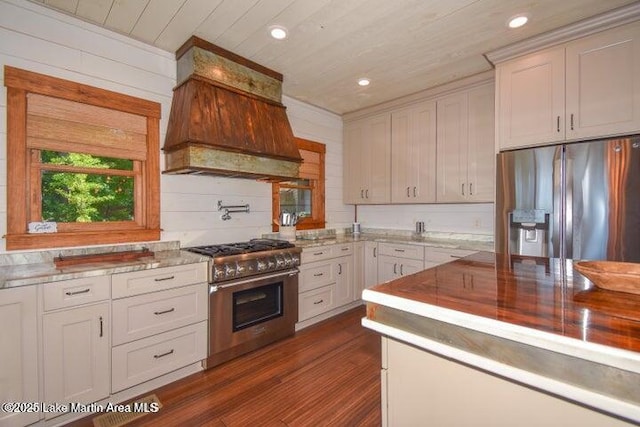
{"x": 611, "y": 275}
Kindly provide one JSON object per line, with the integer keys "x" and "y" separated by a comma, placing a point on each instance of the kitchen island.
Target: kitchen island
{"x": 493, "y": 340}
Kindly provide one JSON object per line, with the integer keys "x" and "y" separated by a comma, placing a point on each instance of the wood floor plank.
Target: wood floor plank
{"x": 326, "y": 375}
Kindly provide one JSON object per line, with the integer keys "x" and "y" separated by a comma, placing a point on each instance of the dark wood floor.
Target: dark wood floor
{"x": 326, "y": 375}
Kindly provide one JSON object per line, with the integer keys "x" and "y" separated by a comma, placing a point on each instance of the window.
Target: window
{"x": 303, "y": 196}
{"x": 82, "y": 157}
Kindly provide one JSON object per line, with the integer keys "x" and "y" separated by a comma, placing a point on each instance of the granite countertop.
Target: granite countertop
{"x": 532, "y": 320}
{"x": 436, "y": 240}
{"x": 31, "y": 268}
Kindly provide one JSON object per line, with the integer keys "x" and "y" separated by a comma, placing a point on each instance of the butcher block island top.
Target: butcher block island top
{"x": 534, "y": 321}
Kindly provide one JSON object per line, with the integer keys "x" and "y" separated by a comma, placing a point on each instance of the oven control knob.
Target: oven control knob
{"x": 279, "y": 261}
{"x": 296, "y": 260}
{"x": 288, "y": 261}
{"x": 240, "y": 268}
{"x": 218, "y": 273}
{"x": 229, "y": 271}
{"x": 271, "y": 263}
{"x": 262, "y": 265}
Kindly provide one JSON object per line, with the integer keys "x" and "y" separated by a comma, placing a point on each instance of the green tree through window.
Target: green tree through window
{"x": 86, "y": 197}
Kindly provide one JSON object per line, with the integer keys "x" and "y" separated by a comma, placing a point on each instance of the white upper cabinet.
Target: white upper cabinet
{"x": 603, "y": 83}
{"x": 589, "y": 87}
{"x": 367, "y": 165}
{"x": 531, "y": 99}
{"x": 466, "y": 146}
{"x": 413, "y": 154}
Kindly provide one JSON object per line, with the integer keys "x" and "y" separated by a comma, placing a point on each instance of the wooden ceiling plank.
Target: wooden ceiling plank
{"x": 94, "y": 10}
{"x": 124, "y": 15}
{"x": 228, "y": 12}
{"x": 184, "y": 23}
{"x": 155, "y": 17}
{"x": 69, "y": 6}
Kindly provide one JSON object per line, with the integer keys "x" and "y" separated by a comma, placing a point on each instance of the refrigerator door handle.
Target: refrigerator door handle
{"x": 568, "y": 207}
{"x": 557, "y": 233}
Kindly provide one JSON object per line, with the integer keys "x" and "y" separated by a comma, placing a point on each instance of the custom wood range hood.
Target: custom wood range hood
{"x": 227, "y": 118}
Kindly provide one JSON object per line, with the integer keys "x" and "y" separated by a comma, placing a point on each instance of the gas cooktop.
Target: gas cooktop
{"x": 253, "y": 245}
{"x": 257, "y": 256}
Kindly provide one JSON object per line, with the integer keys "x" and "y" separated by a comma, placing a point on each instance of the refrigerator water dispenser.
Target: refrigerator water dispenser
{"x": 528, "y": 232}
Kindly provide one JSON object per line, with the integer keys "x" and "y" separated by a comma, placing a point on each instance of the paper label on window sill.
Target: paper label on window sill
{"x": 43, "y": 227}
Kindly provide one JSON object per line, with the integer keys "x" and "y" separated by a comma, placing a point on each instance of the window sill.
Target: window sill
{"x": 84, "y": 238}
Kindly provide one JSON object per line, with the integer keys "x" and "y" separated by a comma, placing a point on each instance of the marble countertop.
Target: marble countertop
{"x": 532, "y": 320}
{"x": 435, "y": 240}
{"x": 32, "y": 268}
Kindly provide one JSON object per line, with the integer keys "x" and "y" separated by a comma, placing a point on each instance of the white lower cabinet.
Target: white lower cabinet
{"x": 141, "y": 360}
{"x": 326, "y": 280}
{"x": 160, "y": 322}
{"x": 397, "y": 260}
{"x": 18, "y": 353}
{"x": 437, "y": 256}
{"x": 76, "y": 348}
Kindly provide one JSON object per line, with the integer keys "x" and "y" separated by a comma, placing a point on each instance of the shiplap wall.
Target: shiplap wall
{"x": 38, "y": 39}
{"x": 35, "y": 38}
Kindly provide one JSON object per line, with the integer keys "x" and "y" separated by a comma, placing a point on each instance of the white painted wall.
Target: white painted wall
{"x": 460, "y": 218}
{"x": 38, "y": 39}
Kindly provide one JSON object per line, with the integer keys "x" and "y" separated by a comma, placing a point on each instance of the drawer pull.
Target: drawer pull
{"x": 84, "y": 291}
{"x": 455, "y": 256}
{"x": 158, "y": 313}
{"x": 318, "y": 302}
{"x": 318, "y": 253}
{"x": 158, "y": 356}
{"x": 318, "y": 274}
{"x": 165, "y": 278}
{"x": 101, "y": 327}
{"x": 399, "y": 250}
{"x": 345, "y": 249}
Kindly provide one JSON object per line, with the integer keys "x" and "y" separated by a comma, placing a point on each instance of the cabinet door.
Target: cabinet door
{"x": 353, "y": 173}
{"x": 410, "y": 266}
{"x": 370, "y": 264}
{"x": 481, "y": 145}
{"x": 77, "y": 347}
{"x": 377, "y": 150}
{"x": 388, "y": 268}
{"x": 531, "y": 99}
{"x": 603, "y": 83}
{"x": 413, "y": 154}
{"x": 18, "y": 353}
{"x": 344, "y": 281}
{"x": 452, "y": 148}
{"x": 367, "y": 166}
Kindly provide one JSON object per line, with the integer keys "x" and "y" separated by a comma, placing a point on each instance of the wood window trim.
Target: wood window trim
{"x": 19, "y": 84}
{"x": 317, "y": 220}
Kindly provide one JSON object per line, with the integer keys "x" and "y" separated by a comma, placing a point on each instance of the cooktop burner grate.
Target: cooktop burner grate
{"x": 254, "y": 245}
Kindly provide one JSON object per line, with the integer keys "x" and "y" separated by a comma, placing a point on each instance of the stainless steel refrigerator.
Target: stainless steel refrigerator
{"x": 578, "y": 200}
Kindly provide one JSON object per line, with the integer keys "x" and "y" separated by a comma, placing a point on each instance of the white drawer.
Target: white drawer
{"x": 148, "y": 358}
{"x": 315, "y": 302}
{"x": 69, "y": 293}
{"x": 316, "y": 275}
{"x": 157, "y": 279}
{"x": 145, "y": 315}
{"x": 401, "y": 250}
{"x": 317, "y": 253}
{"x": 443, "y": 255}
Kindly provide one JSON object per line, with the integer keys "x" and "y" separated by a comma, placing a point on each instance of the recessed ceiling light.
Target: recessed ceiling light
{"x": 364, "y": 81}
{"x": 278, "y": 32}
{"x": 518, "y": 21}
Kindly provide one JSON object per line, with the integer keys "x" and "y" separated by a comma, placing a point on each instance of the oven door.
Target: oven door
{"x": 247, "y": 314}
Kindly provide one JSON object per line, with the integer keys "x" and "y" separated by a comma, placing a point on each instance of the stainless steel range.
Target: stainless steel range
{"x": 253, "y": 295}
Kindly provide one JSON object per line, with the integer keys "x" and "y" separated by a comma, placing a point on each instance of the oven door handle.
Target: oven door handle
{"x": 215, "y": 288}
